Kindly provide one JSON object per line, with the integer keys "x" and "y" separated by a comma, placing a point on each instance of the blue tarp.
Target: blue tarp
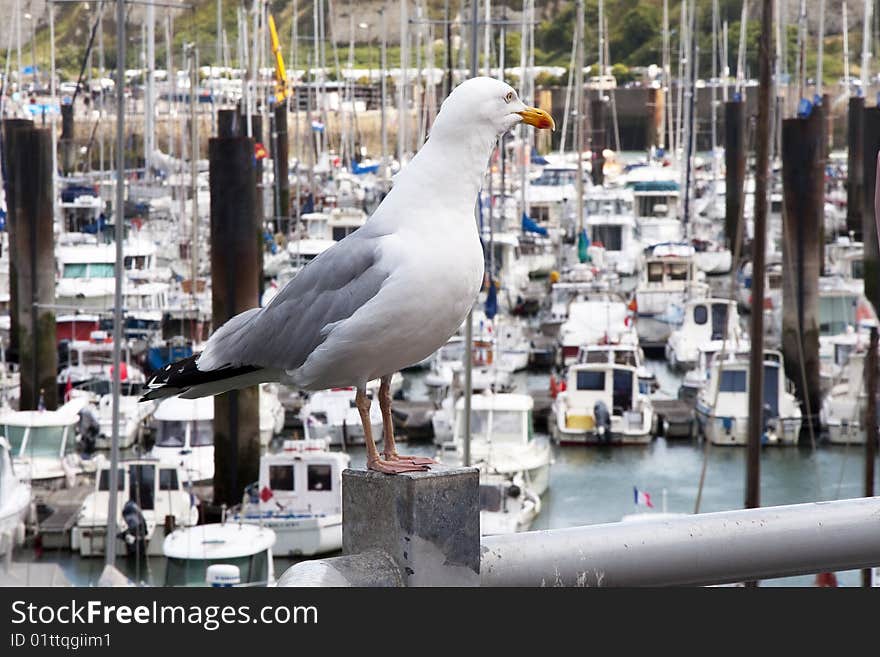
{"x": 538, "y": 159}
{"x": 491, "y": 300}
{"x": 529, "y": 225}
{"x": 365, "y": 168}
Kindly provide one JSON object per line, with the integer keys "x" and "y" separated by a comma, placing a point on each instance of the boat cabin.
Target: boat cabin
{"x": 185, "y": 434}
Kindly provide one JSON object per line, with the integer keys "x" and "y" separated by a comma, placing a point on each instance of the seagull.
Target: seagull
{"x": 386, "y": 296}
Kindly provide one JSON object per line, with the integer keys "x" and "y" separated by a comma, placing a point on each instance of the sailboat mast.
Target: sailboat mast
{"x": 866, "y": 47}
{"x": 150, "y": 100}
{"x": 821, "y": 54}
{"x": 579, "y": 114}
{"x": 383, "y": 77}
{"x": 846, "y": 50}
{"x": 403, "y": 115}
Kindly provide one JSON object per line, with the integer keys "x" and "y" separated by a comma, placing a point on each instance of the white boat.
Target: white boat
{"x": 705, "y": 320}
{"x": 15, "y": 501}
{"x": 843, "y": 407}
{"x": 602, "y": 403}
{"x": 599, "y": 319}
{"x": 43, "y": 443}
{"x": 621, "y": 354}
{"x": 93, "y": 359}
{"x": 190, "y": 551}
{"x": 723, "y": 403}
{"x": 331, "y": 415}
{"x": 669, "y": 279}
{"x": 612, "y": 226}
{"x": 502, "y": 439}
{"x": 159, "y": 492}
{"x": 299, "y": 497}
{"x": 185, "y": 431}
{"x": 133, "y": 414}
{"x": 507, "y": 504}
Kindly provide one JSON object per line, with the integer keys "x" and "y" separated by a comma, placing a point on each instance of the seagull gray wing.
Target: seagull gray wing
{"x": 328, "y": 290}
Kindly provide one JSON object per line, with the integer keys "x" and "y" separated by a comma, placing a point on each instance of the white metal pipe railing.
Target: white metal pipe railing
{"x": 702, "y": 549}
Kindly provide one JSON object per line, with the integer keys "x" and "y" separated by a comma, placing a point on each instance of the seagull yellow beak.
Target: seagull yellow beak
{"x": 538, "y": 118}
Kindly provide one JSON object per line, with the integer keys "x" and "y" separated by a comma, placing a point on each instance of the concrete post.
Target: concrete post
{"x": 855, "y": 133}
{"x": 597, "y": 143}
{"x": 428, "y": 523}
{"x": 31, "y": 219}
{"x": 735, "y": 167}
{"x": 803, "y": 183}
{"x": 871, "y": 144}
{"x": 10, "y": 169}
{"x": 234, "y": 267}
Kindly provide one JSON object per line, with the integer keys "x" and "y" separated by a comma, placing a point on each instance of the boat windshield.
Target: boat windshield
{"x": 203, "y": 434}
{"x": 192, "y": 572}
{"x": 733, "y": 381}
{"x": 88, "y": 270}
{"x": 46, "y": 441}
{"x": 104, "y": 480}
{"x": 507, "y": 426}
{"x": 555, "y": 177}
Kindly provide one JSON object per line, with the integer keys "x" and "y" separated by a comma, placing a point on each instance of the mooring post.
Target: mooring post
{"x": 597, "y": 139}
{"x": 871, "y": 144}
{"x": 31, "y": 214}
{"x": 855, "y": 134}
{"x": 735, "y": 168}
{"x": 10, "y": 128}
{"x": 803, "y": 183}
{"x": 234, "y": 266}
{"x": 280, "y": 149}
{"x": 66, "y": 139}
{"x": 870, "y": 424}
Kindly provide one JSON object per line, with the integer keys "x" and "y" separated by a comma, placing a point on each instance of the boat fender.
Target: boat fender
{"x": 513, "y": 491}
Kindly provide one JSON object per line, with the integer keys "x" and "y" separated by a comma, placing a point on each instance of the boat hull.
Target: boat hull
{"x": 300, "y": 535}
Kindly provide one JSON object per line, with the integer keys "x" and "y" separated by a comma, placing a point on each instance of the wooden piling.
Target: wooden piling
{"x": 803, "y": 184}
{"x": 871, "y": 144}
{"x": 855, "y": 182}
{"x": 234, "y": 271}
{"x": 597, "y": 139}
{"x": 31, "y": 221}
{"x": 735, "y": 167}
{"x": 280, "y": 149}
{"x": 10, "y": 169}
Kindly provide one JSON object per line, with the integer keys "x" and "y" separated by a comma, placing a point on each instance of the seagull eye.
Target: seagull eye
{"x": 508, "y": 97}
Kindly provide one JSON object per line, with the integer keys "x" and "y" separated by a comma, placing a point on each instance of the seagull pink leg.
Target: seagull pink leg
{"x": 390, "y": 450}
{"x": 373, "y": 461}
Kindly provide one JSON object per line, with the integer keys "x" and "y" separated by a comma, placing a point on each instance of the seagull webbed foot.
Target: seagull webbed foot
{"x": 395, "y": 467}
{"x": 416, "y": 460}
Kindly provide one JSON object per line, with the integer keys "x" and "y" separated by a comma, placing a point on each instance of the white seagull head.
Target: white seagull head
{"x": 489, "y": 106}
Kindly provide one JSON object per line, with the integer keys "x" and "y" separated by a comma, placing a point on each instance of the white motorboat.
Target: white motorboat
{"x": 332, "y": 415}
{"x": 844, "y": 405}
{"x": 43, "y": 443}
{"x": 602, "y": 403}
{"x": 299, "y": 497}
{"x": 15, "y": 501}
{"x": 190, "y": 551}
{"x": 159, "y": 491}
{"x": 599, "y": 319}
{"x": 722, "y": 404}
{"x": 704, "y": 320}
{"x": 669, "y": 279}
{"x": 93, "y": 359}
{"x": 507, "y": 504}
{"x": 502, "y": 439}
{"x": 134, "y": 415}
{"x": 612, "y": 226}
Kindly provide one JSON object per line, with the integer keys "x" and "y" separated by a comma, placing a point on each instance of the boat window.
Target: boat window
{"x": 733, "y": 381}
{"x": 339, "y": 232}
{"x": 507, "y": 425}
{"x": 320, "y": 477}
{"x": 281, "y": 477}
{"x": 609, "y": 236}
{"x": 203, "y": 434}
{"x": 75, "y": 270}
{"x": 678, "y": 271}
{"x": 857, "y": 269}
{"x": 841, "y": 354}
{"x": 45, "y": 441}
{"x": 168, "y": 479}
{"x": 172, "y": 433}
{"x": 101, "y": 270}
{"x": 15, "y": 436}
{"x": 719, "y": 320}
{"x": 490, "y": 498}
{"x": 836, "y": 313}
{"x": 623, "y": 390}
{"x": 594, "y": 356}
{"x": 655, "y": 272}
{"x": 774, "y": 281}
{"x": 141, "y": 485}
{"x": 591, "y": 380}
{"x": 624, "y": 358}
{"x": 135, "y": 262}
{"x": 192, "y": 572}
{"x": 104, "y": 480}
{"x": 701, "y": 315}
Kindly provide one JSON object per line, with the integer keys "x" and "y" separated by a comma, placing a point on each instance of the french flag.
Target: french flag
{"x": 641, "y": 498}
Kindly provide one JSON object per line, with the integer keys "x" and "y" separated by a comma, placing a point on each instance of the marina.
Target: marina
{"x": 265, "y": 310}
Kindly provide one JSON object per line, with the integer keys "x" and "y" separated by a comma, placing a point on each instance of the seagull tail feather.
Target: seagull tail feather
{"x": 183, "y": 378}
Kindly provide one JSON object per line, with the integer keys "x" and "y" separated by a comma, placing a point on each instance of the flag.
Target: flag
{"x": 266, "y": 494}
{"x": 491, "y": 300}
{"x": 68, "y": 387}
{"x": 641, "y": 498}
{"x": 260, "y": 151}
